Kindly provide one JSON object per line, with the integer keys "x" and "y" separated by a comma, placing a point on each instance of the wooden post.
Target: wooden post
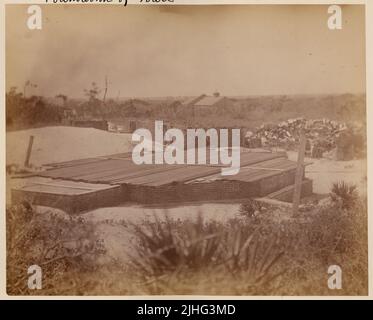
{"x": 28, "y": 155}
{"x": 105, "y": 91}
{"x": 299, "y": 173}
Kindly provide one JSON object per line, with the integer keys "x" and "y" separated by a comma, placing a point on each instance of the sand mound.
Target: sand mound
{"x": 56, "y": 144}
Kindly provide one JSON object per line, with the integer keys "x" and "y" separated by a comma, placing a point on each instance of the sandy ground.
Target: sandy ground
{"x": 324, "y": 172}
{"x": 137, "y": 213}
{"x": 57, "y": 144}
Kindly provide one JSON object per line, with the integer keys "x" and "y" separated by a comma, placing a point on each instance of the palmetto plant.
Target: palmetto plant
{"x": 344, "y": 194}
{"x": 167, "y": 246}
{"x": 164, "y": 246}
{"x": 252, "y": 256}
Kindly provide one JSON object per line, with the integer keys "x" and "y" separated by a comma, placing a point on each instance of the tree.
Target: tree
{"x": 14, "y": 104}
{"x": 93, "y": 92}
{"x": 28, "y": 83}
{"x": 63, "y": 97}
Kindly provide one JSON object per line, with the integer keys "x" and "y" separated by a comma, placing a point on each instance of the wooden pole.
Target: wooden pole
{"x": 28, "y": 154}
{"x": 105, "y": 92}
{"x": 299, "y": 173}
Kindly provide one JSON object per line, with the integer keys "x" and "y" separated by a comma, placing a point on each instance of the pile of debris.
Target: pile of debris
{"x": 323, "y": 135}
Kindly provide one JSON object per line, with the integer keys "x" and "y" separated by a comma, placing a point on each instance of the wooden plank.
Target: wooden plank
{"x": 180, "y": 175}
{"x": 273, "y": 202}
{"x": 259, "y": 171}
{"x": 71, "y": 163}
{"x": 145, "y": 172}
{"x": 82, "y": 169}
{"x": 123, "y": 170}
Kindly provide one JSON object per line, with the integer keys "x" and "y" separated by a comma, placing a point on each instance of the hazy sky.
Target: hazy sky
{"x": 152, "y": 51}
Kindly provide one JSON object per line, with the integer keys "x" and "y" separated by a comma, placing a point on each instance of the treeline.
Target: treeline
{"x": 24, "y": 112}
{"x": 33, "y": 111}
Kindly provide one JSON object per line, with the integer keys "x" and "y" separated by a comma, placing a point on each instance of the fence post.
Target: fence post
{"x": 299, "y": 173}
{"x": 28, "y": 154}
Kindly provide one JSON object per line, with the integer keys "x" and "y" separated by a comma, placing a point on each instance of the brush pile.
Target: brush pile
{"x": 323, "y": 135}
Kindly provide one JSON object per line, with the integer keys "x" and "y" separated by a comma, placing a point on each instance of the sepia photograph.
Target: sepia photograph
{"x": 172, "y": 150}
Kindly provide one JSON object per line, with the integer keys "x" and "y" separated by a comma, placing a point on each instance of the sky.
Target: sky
{"x": 152, "y": 51}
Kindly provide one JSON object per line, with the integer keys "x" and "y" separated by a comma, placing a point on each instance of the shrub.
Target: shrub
{"x": 330, "y": 235}
{"x": 55, "y": 243}
{"x": 250, "y": 208}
